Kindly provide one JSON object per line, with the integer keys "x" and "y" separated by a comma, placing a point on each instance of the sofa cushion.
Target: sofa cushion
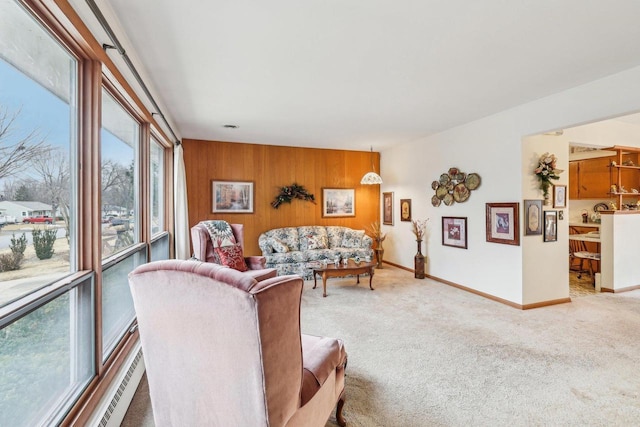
{"x": 321, "y": 254}
{"x": 308, "y": 233}
{"x": 278, "y": 245}
{"x": 352, "y": 238}
{"x": 317, "y": 242}
{"x": 335, "y": 234}
{"x": 232, "y": 256}
{"x": 287, "y": 257}
{"x": 288, "y": 235}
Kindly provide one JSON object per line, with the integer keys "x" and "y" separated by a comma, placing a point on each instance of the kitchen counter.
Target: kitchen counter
{"x": 584, "y": 224}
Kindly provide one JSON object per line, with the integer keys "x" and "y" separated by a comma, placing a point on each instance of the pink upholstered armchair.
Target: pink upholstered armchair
{"x": 204, "y": 251}
{"x": 222, "y": 349}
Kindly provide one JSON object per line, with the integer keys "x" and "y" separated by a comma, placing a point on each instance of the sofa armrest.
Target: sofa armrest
{"x": 256, "y": 262}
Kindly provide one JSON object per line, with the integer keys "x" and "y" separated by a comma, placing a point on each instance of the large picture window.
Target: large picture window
{"x": 38, "y": 145}
{"x": 120, "y": 136}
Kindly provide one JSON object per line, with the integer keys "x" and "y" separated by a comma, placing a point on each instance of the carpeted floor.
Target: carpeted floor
{"x": 422, "y": 353}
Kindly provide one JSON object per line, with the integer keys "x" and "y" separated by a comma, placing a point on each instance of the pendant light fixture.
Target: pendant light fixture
{"x": 371, "y": 178}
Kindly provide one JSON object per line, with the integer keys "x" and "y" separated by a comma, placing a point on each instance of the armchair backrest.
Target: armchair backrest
{"x": 220, "y": 348}
{"x": 201, "y": 241}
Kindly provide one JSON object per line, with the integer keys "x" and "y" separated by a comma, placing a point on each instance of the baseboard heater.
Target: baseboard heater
{"x": 113, "y": 406}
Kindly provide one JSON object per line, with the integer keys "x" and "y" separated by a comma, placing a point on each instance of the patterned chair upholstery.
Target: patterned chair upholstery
{"x": 229, "y": 234}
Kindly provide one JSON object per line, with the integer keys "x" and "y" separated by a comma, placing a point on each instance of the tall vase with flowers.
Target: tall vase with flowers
{"x": 378, "y": 236}
{"x": 420, "y": 230}
{"x": 546, "y": 171}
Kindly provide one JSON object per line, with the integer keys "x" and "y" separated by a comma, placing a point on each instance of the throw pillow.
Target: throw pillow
{"x": 352, "y": 238}
{"x": 316, "y": 242}
{"x": 278, "y": 245}
{"x": 232, "y": 257}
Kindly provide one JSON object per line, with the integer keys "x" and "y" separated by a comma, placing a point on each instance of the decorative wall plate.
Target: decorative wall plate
{"x": 441, "y": 191}
{"x": 454, "y": 186}
{"x": 598, "y": 207}
{"x": 473, "y": 181}
{"x": 461, "y": 193}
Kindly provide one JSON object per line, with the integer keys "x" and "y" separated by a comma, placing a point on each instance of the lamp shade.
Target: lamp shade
{"x": 371, "y": 178}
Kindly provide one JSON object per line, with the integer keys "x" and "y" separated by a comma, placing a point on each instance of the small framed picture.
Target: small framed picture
{"x": 337, "y": 202}
{"x": 232, "y": 196}
{"x": 454, "y": 231}
{"x": 550, "y": 226}
{"x": 405, "y": 209}
{"x": 559, "y": 196}
{"x": 502, "y": 223}
{"x": 532, "y": 217}
{"x": 387, "y": 208}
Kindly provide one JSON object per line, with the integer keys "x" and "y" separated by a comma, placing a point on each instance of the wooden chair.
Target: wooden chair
{"x": 578, "y": 252}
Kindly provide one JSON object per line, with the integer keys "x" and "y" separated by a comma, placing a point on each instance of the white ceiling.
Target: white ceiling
{"x": 353, "y": 74}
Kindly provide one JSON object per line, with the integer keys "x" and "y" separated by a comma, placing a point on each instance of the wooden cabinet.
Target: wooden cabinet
{"x": 573, "y": 180}
{"x": 590, "y": 178}
{"x": 624, "y": 177}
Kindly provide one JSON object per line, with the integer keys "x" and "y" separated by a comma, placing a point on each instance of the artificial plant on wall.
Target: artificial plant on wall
{"x": 290, "y": 192}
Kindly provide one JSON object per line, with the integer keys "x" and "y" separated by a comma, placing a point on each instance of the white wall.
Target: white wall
{"x": 492, "y": 147}
{"x": 548, "y": 279}
{"x": 620, "y": 267}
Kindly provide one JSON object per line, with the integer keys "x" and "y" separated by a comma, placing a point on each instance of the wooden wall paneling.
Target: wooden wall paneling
{"x": 270, "y": 168}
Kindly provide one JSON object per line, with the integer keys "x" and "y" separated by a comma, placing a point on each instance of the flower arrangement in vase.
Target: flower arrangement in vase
{"x": 546, "y": 171}
{"x": 376, "y": 233}
{"x": 420, "y": 228}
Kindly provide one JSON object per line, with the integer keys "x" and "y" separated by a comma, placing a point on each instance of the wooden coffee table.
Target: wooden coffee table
{"x": 343, "y": 270}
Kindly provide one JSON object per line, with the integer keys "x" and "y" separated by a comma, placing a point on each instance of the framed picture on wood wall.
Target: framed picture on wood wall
{"x": 232, "y": 196}
{"x": 337, "y": 202}
{"x": 502, "y": 223}
{"x": 387, "y": 208}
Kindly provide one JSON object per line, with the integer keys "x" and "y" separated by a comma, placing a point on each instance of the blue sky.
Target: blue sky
{"x": 43, "y": 110}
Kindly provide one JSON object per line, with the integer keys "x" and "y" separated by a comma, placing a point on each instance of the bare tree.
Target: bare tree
{"x": 17, "y": 151}
{"x": 117, "y": 185}
{"x": 53, "y": 169}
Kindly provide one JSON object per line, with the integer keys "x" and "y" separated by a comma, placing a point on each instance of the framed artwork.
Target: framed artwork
{"x": 387, "y": 208}
{"x": 550, "y": 226}
{"x": 454, "y": 231}
{"x": 232, "y": 196}
{"x": 405, "y": 209}
{"x": 559, "y": 196}
{"x": 337, "y": 202}
{"x": 532, "y": 217}
{"x": 502, "y": 223}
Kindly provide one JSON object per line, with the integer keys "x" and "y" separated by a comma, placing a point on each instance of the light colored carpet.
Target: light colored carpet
{"x": 422, "y": 353}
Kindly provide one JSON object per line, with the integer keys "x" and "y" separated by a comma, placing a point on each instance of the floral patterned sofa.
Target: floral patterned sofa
{"x": 290, "y": 250}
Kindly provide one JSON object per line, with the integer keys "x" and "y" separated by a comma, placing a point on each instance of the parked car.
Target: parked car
{"x": 38, "y": 219}
{"x": 119, "y": 221}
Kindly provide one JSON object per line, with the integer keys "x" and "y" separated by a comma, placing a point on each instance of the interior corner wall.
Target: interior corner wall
{"x": 270, "y": 168}
{"x": 492, "y": 147}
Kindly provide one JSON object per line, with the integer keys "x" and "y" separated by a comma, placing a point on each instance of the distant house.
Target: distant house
{"x": 22, "y": 210}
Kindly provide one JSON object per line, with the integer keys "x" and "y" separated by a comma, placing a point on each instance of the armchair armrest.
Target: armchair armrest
{"x": 256, "y": 262}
